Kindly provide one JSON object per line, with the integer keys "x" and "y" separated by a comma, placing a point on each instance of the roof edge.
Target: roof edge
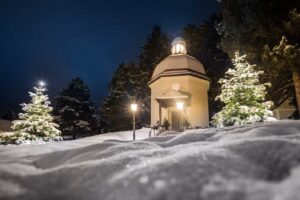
{"x": 179, "y": 72}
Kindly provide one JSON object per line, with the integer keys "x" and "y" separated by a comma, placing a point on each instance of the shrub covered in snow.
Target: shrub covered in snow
{"x": 243, "y": 96}
{"x": 36, "y": 123}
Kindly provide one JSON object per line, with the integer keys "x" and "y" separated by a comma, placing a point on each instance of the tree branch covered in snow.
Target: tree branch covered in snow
{"x": 243, "y": 95}
{"x": 36, "y": 122}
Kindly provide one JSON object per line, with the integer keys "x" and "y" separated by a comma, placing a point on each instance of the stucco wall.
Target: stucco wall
{"x": 197, "y": 112}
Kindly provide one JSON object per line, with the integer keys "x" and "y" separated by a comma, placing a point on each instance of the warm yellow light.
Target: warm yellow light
{"x": 133, "y": 107}
{"x": 180, "y": 105}
{"x": 178, "y": 46}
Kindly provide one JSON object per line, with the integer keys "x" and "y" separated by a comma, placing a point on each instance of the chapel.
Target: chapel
{"x": 179, "y": 90}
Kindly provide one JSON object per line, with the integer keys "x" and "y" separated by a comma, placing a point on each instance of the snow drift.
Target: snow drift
{"x": 256, "y": 162}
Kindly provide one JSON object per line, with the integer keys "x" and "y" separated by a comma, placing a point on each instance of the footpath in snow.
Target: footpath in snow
{"x": 260, "y": 162}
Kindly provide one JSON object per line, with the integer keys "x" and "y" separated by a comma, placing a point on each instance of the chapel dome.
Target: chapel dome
{"x": 179, "y": 63}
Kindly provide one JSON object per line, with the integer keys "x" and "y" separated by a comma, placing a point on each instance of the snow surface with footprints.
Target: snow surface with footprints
{"x": 257, "y": 162}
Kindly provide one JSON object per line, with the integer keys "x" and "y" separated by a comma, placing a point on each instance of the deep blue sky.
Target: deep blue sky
{"x": 57, "y": 40}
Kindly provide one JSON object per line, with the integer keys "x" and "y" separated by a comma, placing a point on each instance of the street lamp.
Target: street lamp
{"x": 41, "y": 83}
{"x": 134, "y": 108}
{"x": 180, "y": 106}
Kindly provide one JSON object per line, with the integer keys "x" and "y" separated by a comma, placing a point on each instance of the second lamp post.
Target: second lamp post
{"x": 133, "y": 107}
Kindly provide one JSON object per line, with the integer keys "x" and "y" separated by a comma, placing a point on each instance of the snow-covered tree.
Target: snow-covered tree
{"x": 123, "y": 89}
{"x": 36, "y": 122}
{"x": 243, "y": 95}
{"x": 74, "y": 112}
{"x": 285, "y": 56}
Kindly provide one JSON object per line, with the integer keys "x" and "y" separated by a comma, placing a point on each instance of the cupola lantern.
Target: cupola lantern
{"x": 178, "y": 46}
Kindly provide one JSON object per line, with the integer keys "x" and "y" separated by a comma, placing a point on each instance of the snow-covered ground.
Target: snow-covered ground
{"x": 260, "y": 162}
{"x": 36, "y": 149}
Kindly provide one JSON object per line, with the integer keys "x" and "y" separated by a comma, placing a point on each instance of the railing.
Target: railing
{"x": 154, "y": 128}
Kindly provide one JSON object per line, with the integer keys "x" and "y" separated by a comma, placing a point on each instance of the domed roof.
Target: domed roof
{"x": 179, "y": 63}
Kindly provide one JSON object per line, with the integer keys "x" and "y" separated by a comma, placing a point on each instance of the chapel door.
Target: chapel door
{"x": 176, "y": 120}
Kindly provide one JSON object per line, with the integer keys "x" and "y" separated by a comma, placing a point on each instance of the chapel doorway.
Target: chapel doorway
{"x": 176, "y": 120}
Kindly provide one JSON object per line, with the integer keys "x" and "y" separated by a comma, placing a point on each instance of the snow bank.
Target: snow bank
{"x": 41, "y": 148}
{"x": 256, "y": 162}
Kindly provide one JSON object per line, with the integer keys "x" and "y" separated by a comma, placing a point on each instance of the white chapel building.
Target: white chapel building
{"x": 179, "y": 90}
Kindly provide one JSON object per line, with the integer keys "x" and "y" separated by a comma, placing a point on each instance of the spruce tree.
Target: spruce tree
{"x": 285, "y": 57}
{"x": 243, "y": 96}
{"x": 130, "y": 83}
{"x": 122, "y": 89}
{"x": 36, "y": 122}
{"x": 250, "y": 25}
{"x": 156, "y": 48}
{"x": 74, "y": 111}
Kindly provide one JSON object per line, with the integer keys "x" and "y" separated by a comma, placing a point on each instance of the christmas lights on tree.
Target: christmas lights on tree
{"x": 36, "y": 121}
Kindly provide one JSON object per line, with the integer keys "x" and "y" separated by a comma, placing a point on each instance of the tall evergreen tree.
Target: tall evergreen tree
{"x": 130, "y": 84}
{"x": 285, "y": 57}
{"x": 243, "y": 96}
{"x": 250, "y": 25}
{"x": 156, "y": 48}
{"x": 122, "y": 89}
{"x": 203, "y": 43}
{"x": 36, "y": 122}
{"x": 74, "y": 111}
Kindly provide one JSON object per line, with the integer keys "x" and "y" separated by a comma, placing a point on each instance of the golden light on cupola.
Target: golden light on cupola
{"x": 178, "y": 46}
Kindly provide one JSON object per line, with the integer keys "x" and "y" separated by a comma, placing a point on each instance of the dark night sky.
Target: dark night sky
{"x": 58, "y": 40}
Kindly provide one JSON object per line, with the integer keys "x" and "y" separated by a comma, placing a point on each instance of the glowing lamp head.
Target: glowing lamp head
{"x": 178, "y": 46}
{"x": 133, "y": 107}
{"x": 41, "y": 83}
{"x": 180, "y": 105}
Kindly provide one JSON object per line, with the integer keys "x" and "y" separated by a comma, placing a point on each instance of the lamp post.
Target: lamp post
{"x": 133, "y": 107}
{"x": 41, "y": 83}
{"x": 180, "y": 106}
